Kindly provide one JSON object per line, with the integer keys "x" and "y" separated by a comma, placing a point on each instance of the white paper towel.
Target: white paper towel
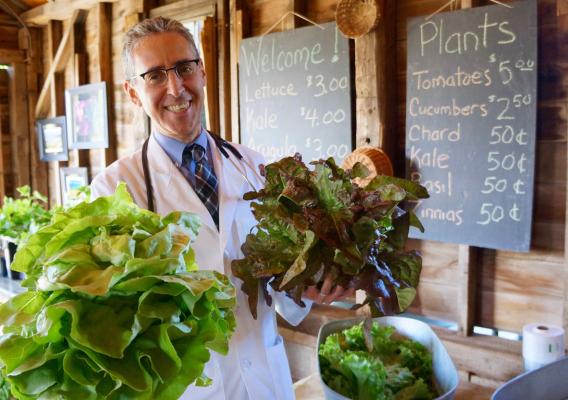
{"x": 542, "y": 344}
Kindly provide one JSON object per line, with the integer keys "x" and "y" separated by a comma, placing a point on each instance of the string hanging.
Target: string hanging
{"x": 295, "y": 14}
{"x": 453, "y": 5}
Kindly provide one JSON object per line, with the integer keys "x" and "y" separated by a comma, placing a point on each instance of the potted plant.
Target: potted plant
{"x": 18, "y": 219}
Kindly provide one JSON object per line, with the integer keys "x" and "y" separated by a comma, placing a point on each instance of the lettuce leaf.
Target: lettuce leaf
{"x": 313, "y": 223}
{"x": 115, "y": 306}
{"x": 393, "y": 370}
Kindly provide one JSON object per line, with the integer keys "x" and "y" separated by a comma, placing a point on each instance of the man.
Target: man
{"x": 188, "y": 172}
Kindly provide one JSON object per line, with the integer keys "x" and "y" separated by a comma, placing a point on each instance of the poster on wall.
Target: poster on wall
{"x": 471, "y": 123}
{"x": 295, "y": 94}
{"x": 87, "y": 116}
{"x": 52, "y": 139}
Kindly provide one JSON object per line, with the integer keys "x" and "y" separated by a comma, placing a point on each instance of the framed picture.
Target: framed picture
{"x": 52, "y": 139}
{"x": 87, "y": 116}
{"x": 72, "y": 181}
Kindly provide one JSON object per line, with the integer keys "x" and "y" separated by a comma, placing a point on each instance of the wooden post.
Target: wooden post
{"x": 4, "y": 85}
{"x": 19, "y": 127}
{"x": 104, "y": 56}
{"x": 467, "y": 262}
{"x": 375, "y": 80}
{"x": 562, "y": 15}
{"x": 209, "y": 55}
{"x": 291, "y": 21}
{"x": 57, "y": 103}
{"x": 237, "y": 32}
{"x": 224, "y": 69}
{"x": 34, "y": 68}
{"x": 79, "y": 158}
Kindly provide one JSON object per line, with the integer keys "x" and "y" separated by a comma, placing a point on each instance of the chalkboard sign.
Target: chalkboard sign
{"x": 294, "y": 94}
{"x": 470, "y": 123}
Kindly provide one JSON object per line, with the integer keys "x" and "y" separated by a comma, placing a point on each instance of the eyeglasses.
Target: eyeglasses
{"x": 159, "y": 76}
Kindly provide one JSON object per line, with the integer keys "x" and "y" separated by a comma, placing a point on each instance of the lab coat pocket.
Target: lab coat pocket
{"x": 280, "y": 370}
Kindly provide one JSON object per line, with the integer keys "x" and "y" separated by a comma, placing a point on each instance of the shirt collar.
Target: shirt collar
{"x": 174, "y": 148}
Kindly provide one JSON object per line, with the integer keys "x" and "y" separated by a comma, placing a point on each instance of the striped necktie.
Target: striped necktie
{"x": 205, "y": 179}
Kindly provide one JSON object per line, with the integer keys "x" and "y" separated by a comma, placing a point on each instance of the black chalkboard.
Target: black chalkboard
{"x": 294, "y": 93}
{"x": 470, "y": 123}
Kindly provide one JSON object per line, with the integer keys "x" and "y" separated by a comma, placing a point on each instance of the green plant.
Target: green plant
{"x": 116, "y": 308}
{"x": 314, "y": 223}
{"x": 23, "y": 216}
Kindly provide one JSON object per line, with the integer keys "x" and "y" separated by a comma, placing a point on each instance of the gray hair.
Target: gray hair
{"x": 147, "y": 28}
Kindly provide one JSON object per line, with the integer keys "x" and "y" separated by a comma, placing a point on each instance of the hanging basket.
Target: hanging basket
{"x": 356, "y": 17}
{"x": 376, "y": 161}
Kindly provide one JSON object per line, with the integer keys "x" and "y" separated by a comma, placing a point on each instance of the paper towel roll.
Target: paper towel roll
{"x": 542, "y": 344}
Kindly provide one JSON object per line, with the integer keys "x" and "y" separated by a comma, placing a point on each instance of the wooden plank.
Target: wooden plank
{"x": 367, "y": 113}
{"x": 466, "y": 288}
{"x": 436, "y": 300}
{"x": 60, "y": 60}
{"x": 236, "y": 36}
{"x": 184, "y": 10}
{"x": 57, "y": 89}
{"x": 4, "y": 78}
{"x": 386, "y": 82}
{"x": 59, "y": 10}
{"x": 9, "y": 38}
{"x": 564, "y": 13}
{"x": 224, "y": 68}
{"x": 9, "y": 56}
{"x": 292, "y": 21}
{"x": 39, "y": 176}
{"x": 79, "y": 158}
{"x": 54, "y": 32}
{"x": 19, "y": 126}
{"x": 209, "y": 54}
{"x": 104, "y": 55}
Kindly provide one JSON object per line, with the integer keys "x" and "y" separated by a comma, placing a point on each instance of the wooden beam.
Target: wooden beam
{"x": 467, "y": 263}
{"x": 57, "y": 89}
{"x": 56, "y": 104}
{"x": 104, "y": 55}
{"x": 60, "y": 10}
{"x": 185, "y": 10}
{"x": 8, "y": 56}
{"x": 58, "y": 65}
{"x": 237, "y": 17}
{"x": 375, "y": 84}
{"x": 5, "y": 78}
{"x": 79, "y": 158}
{"x": 39, "y": 176}
{"x": 209, "y": 54}
{"x": 291, "y": 21}
{"x": 19, "y": 127}
{"x": 224, "y": 68}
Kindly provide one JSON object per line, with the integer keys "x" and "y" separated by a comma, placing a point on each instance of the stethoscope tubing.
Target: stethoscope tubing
{"x": 224, "y": 148}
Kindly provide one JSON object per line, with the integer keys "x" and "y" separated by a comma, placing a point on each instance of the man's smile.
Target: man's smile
{"x": 178, "y": 107}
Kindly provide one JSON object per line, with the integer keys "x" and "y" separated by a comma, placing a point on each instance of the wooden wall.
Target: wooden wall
{"x": 469, "y": 286}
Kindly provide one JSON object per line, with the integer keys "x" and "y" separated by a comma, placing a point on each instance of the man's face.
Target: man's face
{"x": 176, "y": 106}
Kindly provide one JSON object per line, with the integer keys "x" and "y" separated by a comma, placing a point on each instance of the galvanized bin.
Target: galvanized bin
{"x": 445, "y": 373}
{"x": 546, "y": 383}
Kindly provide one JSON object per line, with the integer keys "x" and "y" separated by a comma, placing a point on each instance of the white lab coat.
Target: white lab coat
{"x": 256, "y": 351}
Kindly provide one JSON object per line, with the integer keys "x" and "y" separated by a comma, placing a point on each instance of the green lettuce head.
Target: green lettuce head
{"x": 115, "y": 306}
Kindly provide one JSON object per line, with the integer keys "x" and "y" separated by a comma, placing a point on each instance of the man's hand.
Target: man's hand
{"x": 328, "y": 293}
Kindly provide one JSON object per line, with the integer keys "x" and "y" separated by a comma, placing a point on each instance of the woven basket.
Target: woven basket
{"x": 376, "y": 161}
{"x": 356, "y": 17}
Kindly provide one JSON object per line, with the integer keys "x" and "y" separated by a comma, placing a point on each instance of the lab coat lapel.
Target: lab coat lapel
{"x": 230, "y": 189}
{"x": 171, "y": 187}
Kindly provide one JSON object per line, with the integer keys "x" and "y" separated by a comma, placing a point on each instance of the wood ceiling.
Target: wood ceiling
{"x": 18, "y": 6}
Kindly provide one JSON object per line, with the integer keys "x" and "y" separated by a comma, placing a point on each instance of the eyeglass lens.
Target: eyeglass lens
{"x": 159, "y": 76}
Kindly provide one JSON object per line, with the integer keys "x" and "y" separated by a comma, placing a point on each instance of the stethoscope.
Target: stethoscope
{"x": 224, "y": 147}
